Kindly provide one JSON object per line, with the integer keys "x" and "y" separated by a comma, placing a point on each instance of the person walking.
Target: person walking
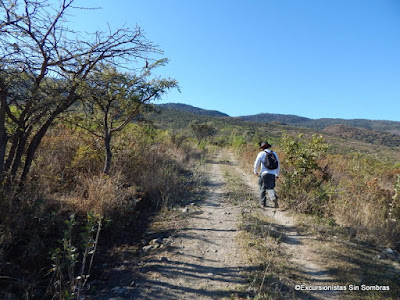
{"x": 267, "y": 162}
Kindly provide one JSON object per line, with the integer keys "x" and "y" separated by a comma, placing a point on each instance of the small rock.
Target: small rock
{"x": 163, "y": 259}
{"x": 377, "y": 257}
{"x": 147, "y": 248}
{"x": 389, "y": 251}
{"x": 157, "y": 241}
{"x": 392, "y": 254}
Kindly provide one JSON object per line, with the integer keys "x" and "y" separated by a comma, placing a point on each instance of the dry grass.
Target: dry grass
{"x": 148, "y": 173}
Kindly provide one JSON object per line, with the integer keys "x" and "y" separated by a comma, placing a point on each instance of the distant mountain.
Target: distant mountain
{"x": 381, "y": 125}
{"x": 192, "y": 109}
{"x": 392, "y": 127}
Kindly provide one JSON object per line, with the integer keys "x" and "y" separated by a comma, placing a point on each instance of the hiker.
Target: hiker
{"x": 268, "y": 161}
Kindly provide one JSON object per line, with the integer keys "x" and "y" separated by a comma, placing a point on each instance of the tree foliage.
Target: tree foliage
{"x": 111, "y": 99}
{"x": 42, "y": 65}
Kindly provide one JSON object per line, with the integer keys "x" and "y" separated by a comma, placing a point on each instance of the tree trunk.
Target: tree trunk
{"x": 11, "y": 153}
{"x": 3, "y": 133}
{"x": 108, "y": 153}
{"x": 16, "y": 158}
{"x": 33, "y": 146}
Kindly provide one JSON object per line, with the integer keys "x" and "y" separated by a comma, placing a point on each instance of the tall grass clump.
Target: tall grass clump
{"x": 367, "y": 196}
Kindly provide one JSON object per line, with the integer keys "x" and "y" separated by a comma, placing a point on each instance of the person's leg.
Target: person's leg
{"x": 263, "y": 192}
{"x": 270, "y": 187}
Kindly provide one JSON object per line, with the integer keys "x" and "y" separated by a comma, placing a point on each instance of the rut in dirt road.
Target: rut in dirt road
{"x": 204, "y": 261}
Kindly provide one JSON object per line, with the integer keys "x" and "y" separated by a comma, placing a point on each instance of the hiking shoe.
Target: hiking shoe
{"x": 276, "y": 204}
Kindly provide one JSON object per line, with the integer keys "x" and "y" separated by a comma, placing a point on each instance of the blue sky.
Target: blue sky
{"x": 312, "y": 58}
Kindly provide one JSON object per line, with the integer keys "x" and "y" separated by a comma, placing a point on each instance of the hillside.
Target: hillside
{"x": 276, "y": 118}
{"x": 392, "y": 127}
{"x": 381, "y": 125}
{"x": 192, "y": 109}
{"x": 364, "y": 135}
{"x": 386, "y": 133}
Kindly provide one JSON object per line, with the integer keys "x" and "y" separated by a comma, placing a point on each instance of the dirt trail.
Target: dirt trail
{"x": 204, "y": 261}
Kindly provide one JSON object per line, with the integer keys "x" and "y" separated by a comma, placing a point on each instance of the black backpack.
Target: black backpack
{"x": 270, "y": 162}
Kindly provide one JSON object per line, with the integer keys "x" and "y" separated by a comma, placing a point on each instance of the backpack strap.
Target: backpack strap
{"x": 265, "y": 150}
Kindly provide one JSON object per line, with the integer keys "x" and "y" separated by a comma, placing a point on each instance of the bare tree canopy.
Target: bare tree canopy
{"x": 42, "y": 64}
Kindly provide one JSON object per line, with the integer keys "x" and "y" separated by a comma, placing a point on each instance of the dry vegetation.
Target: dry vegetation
{"x": 354, "y": 190}
{"x": 149, "y": 172}
{"x": 350, "y": 201}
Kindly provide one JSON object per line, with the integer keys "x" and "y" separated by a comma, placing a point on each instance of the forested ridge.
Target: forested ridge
{"x": 369, "y": 131}
{"x": 382, "y": 125}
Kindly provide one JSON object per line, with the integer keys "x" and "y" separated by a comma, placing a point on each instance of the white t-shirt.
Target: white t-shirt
{"x": 259, "y": 163}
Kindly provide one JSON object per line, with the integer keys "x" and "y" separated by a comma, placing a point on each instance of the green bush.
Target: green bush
{"x": 303, "y": 179}
{"x": 237, "y": 141}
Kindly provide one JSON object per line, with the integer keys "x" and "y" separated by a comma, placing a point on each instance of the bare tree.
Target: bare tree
{"x": 42, "y": 65}
{"x": 112, "y": 99}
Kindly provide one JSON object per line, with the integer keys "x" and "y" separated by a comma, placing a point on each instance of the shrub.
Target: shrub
{"x": 303, "y": 178}
{"x": 71, "y": 265}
